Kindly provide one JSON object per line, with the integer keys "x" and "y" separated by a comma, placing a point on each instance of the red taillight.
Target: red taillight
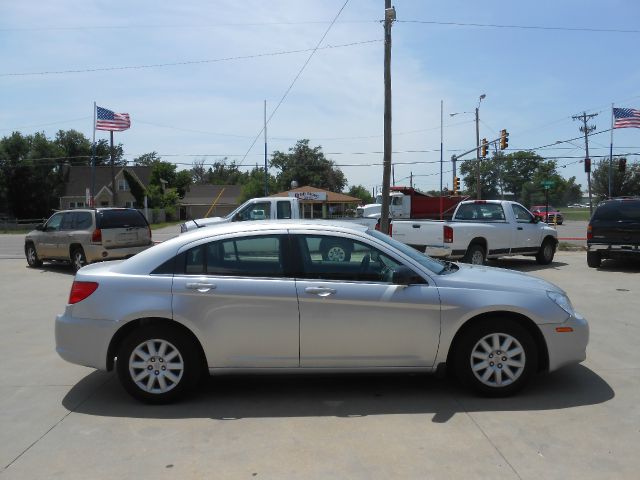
{"x": 589, "y": 232}
{"x": 96, "y": 236}
{"x": 447, "y": 233}
{"x": 390, "y": 229}
{"x": 81, "y": 290}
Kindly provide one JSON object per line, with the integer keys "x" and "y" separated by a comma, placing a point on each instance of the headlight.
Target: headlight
{"x": 562, "y": 301}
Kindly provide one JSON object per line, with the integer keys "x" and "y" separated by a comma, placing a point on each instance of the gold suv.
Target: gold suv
{"x": 86, "y": 236}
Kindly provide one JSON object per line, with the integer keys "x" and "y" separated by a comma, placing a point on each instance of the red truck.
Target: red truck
{"x": 407, "y": 202}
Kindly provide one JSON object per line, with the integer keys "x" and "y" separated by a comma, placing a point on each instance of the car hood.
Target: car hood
{"x": 496, "y": 279}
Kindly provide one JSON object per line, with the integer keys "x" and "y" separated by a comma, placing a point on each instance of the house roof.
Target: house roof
{"x": 79, "y": 178}
{"x": 206, "y": 194}
{"x": 332, "y": 197}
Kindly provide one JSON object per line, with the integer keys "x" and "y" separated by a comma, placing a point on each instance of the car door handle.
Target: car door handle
{"x": 201, "y": 287}
{"x": 320, "y": 291}
{"x": 519, "y": 228}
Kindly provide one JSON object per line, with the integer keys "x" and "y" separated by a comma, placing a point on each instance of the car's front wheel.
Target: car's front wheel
{"x": 32, "y": 256}
{"x": 546, "y": 253}
{"x": 158, "y": 364}
{"x": 496, "y": 358}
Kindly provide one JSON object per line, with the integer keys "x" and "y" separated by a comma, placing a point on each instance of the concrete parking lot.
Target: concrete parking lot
{"x": 58, "y": 420}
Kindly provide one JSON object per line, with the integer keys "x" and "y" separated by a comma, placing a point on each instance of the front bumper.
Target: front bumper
{"x": 566, "y": 348}
{"x": 83, "y": 341}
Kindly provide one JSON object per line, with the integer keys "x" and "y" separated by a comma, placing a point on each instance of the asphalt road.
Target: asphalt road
{"x": 59, "y": 420}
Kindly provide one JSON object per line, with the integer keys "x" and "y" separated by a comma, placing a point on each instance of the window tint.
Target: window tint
{"x": 67, "y": 221}
{"x": 83, "y": 220}
{"x": 53, "y": 224}
{"x": 625, "y": 210}
{"x": 335, "y": 258}
{"x": 258, "y": 256}
{"x": 120, "y": 219}
{"x": 521, "y": 213}
{"x": 284, "y": 210}
{"x": 480, "y": 212}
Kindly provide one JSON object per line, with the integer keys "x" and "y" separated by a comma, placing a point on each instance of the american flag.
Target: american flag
{"x": 626, "y": 117}
{"x": 113, "y": 122}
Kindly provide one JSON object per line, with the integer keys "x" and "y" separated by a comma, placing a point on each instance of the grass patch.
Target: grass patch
{"x": 20, "y": 231}
{"x": 569, "y": 247}
{"x": 576, "y": 214}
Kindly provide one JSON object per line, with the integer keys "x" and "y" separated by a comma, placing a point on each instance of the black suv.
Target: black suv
{"x": 614, "y": 231}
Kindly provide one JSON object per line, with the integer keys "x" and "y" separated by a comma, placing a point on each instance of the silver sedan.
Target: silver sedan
{"x": 261, "y": 296}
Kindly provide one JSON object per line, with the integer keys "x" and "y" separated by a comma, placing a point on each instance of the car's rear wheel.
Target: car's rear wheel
{"x": 475, "y": 255}
{"x": 78, "y": 258}
{"x": 32, "y": 256}
{"x": 496, "y": 358}
{"x": 158, "y": 364}
{"x": 546, "y": 253}
{"x": 594, "y": 259}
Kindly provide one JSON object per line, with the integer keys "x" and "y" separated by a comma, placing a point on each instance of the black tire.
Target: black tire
{"x": 335, "y": 251}
{"x": 187, "y": 356}
{"x": 594, "y": 259}
{"x": 504, "y": 329}
{"x": 546, "y": 253}
{"x": 32, "y": 255}
{"x": 475, "y": 252}
{"x": 78, "y": 258}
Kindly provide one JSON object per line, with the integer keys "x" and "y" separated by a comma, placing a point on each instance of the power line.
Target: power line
{"x": 524, "y": 27}
{"x": 193, "y": 62}
{"x": 295, "y": 79}
{"x": 183, "y": 26}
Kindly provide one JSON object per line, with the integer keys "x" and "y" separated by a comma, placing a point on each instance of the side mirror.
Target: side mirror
{"x": 40, "y": 227}
{"x": 405, "y": 276}
{"x": 536, "y": 219}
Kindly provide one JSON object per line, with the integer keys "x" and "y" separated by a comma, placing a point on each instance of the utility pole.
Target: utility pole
{"x": 266, "y": 173}
{"x": 389, "y": 17}
{"x": 587, "y": 129}
{"x": 411, "y": 179}
{"x": 478, "y": 187}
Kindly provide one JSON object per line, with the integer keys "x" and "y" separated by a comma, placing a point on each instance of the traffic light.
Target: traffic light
{"x": 484, "y": 148}
{"x": 622, "y": 164}
{"x": 587, "y": 165}
{"x": 504, "y": 139}
{"x": 456, "y": 185}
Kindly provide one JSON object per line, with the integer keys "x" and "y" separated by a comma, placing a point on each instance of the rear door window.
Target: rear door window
{"x": 618, "y": 211}
{"x": 259, "y": 256}
{"x": 83, "y": 220}
{"x": 67, "y": 221}
{"x": 120, "y": 219}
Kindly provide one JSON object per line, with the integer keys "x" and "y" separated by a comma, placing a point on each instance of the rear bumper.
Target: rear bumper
{"x": 608, "y": 250}
{"x": 83, "y": 341}
{"x": 96, "y": 253}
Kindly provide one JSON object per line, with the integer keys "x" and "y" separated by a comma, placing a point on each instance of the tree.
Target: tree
{"x": 253, "y": 185}
{"x": 622, "y": 183}
{"x": 360, "y": 192}
{"x": 147, "y": 159}
{"x": 307, "y": 166}
{"x": 489, "y": 178}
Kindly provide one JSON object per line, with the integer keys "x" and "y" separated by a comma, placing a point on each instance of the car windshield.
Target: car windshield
{"x": 424, "y": 260}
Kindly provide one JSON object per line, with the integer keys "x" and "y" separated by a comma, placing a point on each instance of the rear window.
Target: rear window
{"x": 624, "y": 210}
{"x": 480, "y": 212}
{"x": 120, "y": 219}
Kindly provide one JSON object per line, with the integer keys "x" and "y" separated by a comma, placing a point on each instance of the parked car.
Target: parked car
{"x": 481, "y": 229}
{"x": 260, "y": 297}
{"x": 614, "y": 231}
{"x": 85, "y": 236}
{"x": 548, "y": 216}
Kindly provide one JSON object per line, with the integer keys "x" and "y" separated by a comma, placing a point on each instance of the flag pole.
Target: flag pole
{"x": 114, "y": 195}
{"x": 611, "y": 150}
{"x": 93, "y": 161}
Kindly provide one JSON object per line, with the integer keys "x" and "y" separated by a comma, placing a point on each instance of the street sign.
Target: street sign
{"x": 547, "y": 183}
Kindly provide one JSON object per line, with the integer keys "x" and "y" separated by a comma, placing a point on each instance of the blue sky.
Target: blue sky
{"x": 534, "y": 79}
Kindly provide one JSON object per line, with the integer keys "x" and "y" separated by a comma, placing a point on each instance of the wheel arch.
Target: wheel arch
{"x": 127, "y": 328}
{"x": 479, "y": 241}
{"x": 73, "y": 246}
{"x": 522, "y": 320}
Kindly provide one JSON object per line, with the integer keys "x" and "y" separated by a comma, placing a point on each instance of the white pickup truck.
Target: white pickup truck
{"x": 481, "y": 229}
